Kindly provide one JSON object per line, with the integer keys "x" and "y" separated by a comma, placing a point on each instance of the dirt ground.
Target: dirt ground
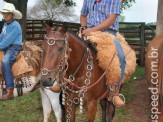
{"x": 139, "y": 107}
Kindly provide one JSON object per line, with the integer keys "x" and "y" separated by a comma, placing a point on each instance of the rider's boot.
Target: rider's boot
{"x": 8, "y": 95}
{"x": 114, "y": 96}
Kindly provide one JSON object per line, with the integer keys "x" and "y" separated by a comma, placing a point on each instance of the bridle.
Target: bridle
{"x": 54, "y": 40}
{"x": 62, "y": 66}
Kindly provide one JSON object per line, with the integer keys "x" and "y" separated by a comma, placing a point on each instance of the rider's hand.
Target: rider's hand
{"x": 87, "y": 31}
{"x": 81, "y": 30}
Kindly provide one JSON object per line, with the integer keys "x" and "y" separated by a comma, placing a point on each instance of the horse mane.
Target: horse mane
{"x": 33, "y": 53}
{"x": 85, "y": 42}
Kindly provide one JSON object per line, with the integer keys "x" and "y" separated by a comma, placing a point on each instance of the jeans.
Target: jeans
{"x": 8, "y": 59}
{"x": 120, "y": 53}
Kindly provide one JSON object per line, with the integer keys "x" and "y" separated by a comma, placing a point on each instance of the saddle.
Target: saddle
{"x": 20, "y": 66}
{"x": 104, "y": 42}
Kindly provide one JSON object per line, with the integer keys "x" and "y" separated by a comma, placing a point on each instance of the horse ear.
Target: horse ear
{"x": 46, "y": 26}
{"x": 60, "y": 29}
{"x": 50, "y": 23}
{"x": 64, "y": 27}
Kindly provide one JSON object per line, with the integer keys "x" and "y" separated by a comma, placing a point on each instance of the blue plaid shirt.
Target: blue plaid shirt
{"x": 97, "y": 12}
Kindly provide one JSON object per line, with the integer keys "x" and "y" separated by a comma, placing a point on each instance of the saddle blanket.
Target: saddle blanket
{"x": 106, "y": 48}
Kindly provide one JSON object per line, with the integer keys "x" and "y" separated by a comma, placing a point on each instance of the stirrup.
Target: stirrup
{"x": 120, "y": 95}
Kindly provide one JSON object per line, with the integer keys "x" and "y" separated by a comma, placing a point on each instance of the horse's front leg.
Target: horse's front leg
{"x": 55, "y": 103}
{"x": 103, "y": 104}
{"x": 110, "y": 111}
{"x": 46, "y": 105}
{"x": 91, "y": 110}
{"x": 70, "y": 111}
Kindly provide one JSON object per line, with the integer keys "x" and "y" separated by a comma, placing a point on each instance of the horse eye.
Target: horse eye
{"x": 60, "y": 49}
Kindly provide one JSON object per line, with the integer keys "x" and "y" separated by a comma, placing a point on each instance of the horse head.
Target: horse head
{"x": 55, "y": 47}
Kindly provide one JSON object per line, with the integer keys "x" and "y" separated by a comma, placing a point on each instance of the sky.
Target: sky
{"x": 141, "y": 11}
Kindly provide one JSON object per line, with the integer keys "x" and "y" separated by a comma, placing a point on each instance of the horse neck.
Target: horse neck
{"x": 77, "y": 46}
{"x": 77, "y": 52}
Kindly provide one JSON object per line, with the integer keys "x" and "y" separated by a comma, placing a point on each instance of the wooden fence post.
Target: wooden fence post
{"x": 142, "y": 44}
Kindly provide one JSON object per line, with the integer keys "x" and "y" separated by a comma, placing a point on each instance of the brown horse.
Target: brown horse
{"x": 66, "y": 55}
{"x": 154, "y": 76}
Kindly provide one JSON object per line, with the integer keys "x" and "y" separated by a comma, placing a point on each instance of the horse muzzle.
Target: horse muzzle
{"x": 47, "y": 83}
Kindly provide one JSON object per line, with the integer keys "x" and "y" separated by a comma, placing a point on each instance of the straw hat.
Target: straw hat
{"x": 10, "y": 8}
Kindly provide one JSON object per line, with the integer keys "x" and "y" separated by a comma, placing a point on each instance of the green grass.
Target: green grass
{"x": 121, "y": 113}
{"x": 22, "y": 109}
{"x": 29, "y": 109}
{"x": 138, "y": 74}
{"x": 129, "y": 91}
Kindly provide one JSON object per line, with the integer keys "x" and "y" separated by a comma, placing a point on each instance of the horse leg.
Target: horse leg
{"x": 55, "y": 103}
{"x": 103, "y": 104}
{"x": 110, "y": 111}
{"x": 62, "y": 107}
{"x": 70, "y": 113}
{"x": 91, "y": 110}
{"x": 46, "y": 105}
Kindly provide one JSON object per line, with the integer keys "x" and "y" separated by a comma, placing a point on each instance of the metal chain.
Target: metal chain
{"x": 26, "y": 81}
{"x": 81, "y": 92}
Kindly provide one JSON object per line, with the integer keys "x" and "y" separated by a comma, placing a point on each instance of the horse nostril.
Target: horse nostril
{"x": 49, "y": 79}
{"x": 47, "y": 82}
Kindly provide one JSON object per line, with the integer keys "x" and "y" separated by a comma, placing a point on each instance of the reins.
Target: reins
{"x": 72, "y": 77}
{"x": 88, "y": 87}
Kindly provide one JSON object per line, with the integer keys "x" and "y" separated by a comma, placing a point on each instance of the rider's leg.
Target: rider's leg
{"x": 7, "y": 61}
{"x": 115, "y": 87}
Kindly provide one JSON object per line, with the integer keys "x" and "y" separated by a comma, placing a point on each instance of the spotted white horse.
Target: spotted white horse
{"x": 29, "y": 81}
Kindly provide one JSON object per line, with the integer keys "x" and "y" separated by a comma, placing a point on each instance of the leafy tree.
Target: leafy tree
{"x": 68, "y": 3}
{"x": 51, "y": 10}
{"x": 121, "y": 18}
{"x": 126, "y": 4}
